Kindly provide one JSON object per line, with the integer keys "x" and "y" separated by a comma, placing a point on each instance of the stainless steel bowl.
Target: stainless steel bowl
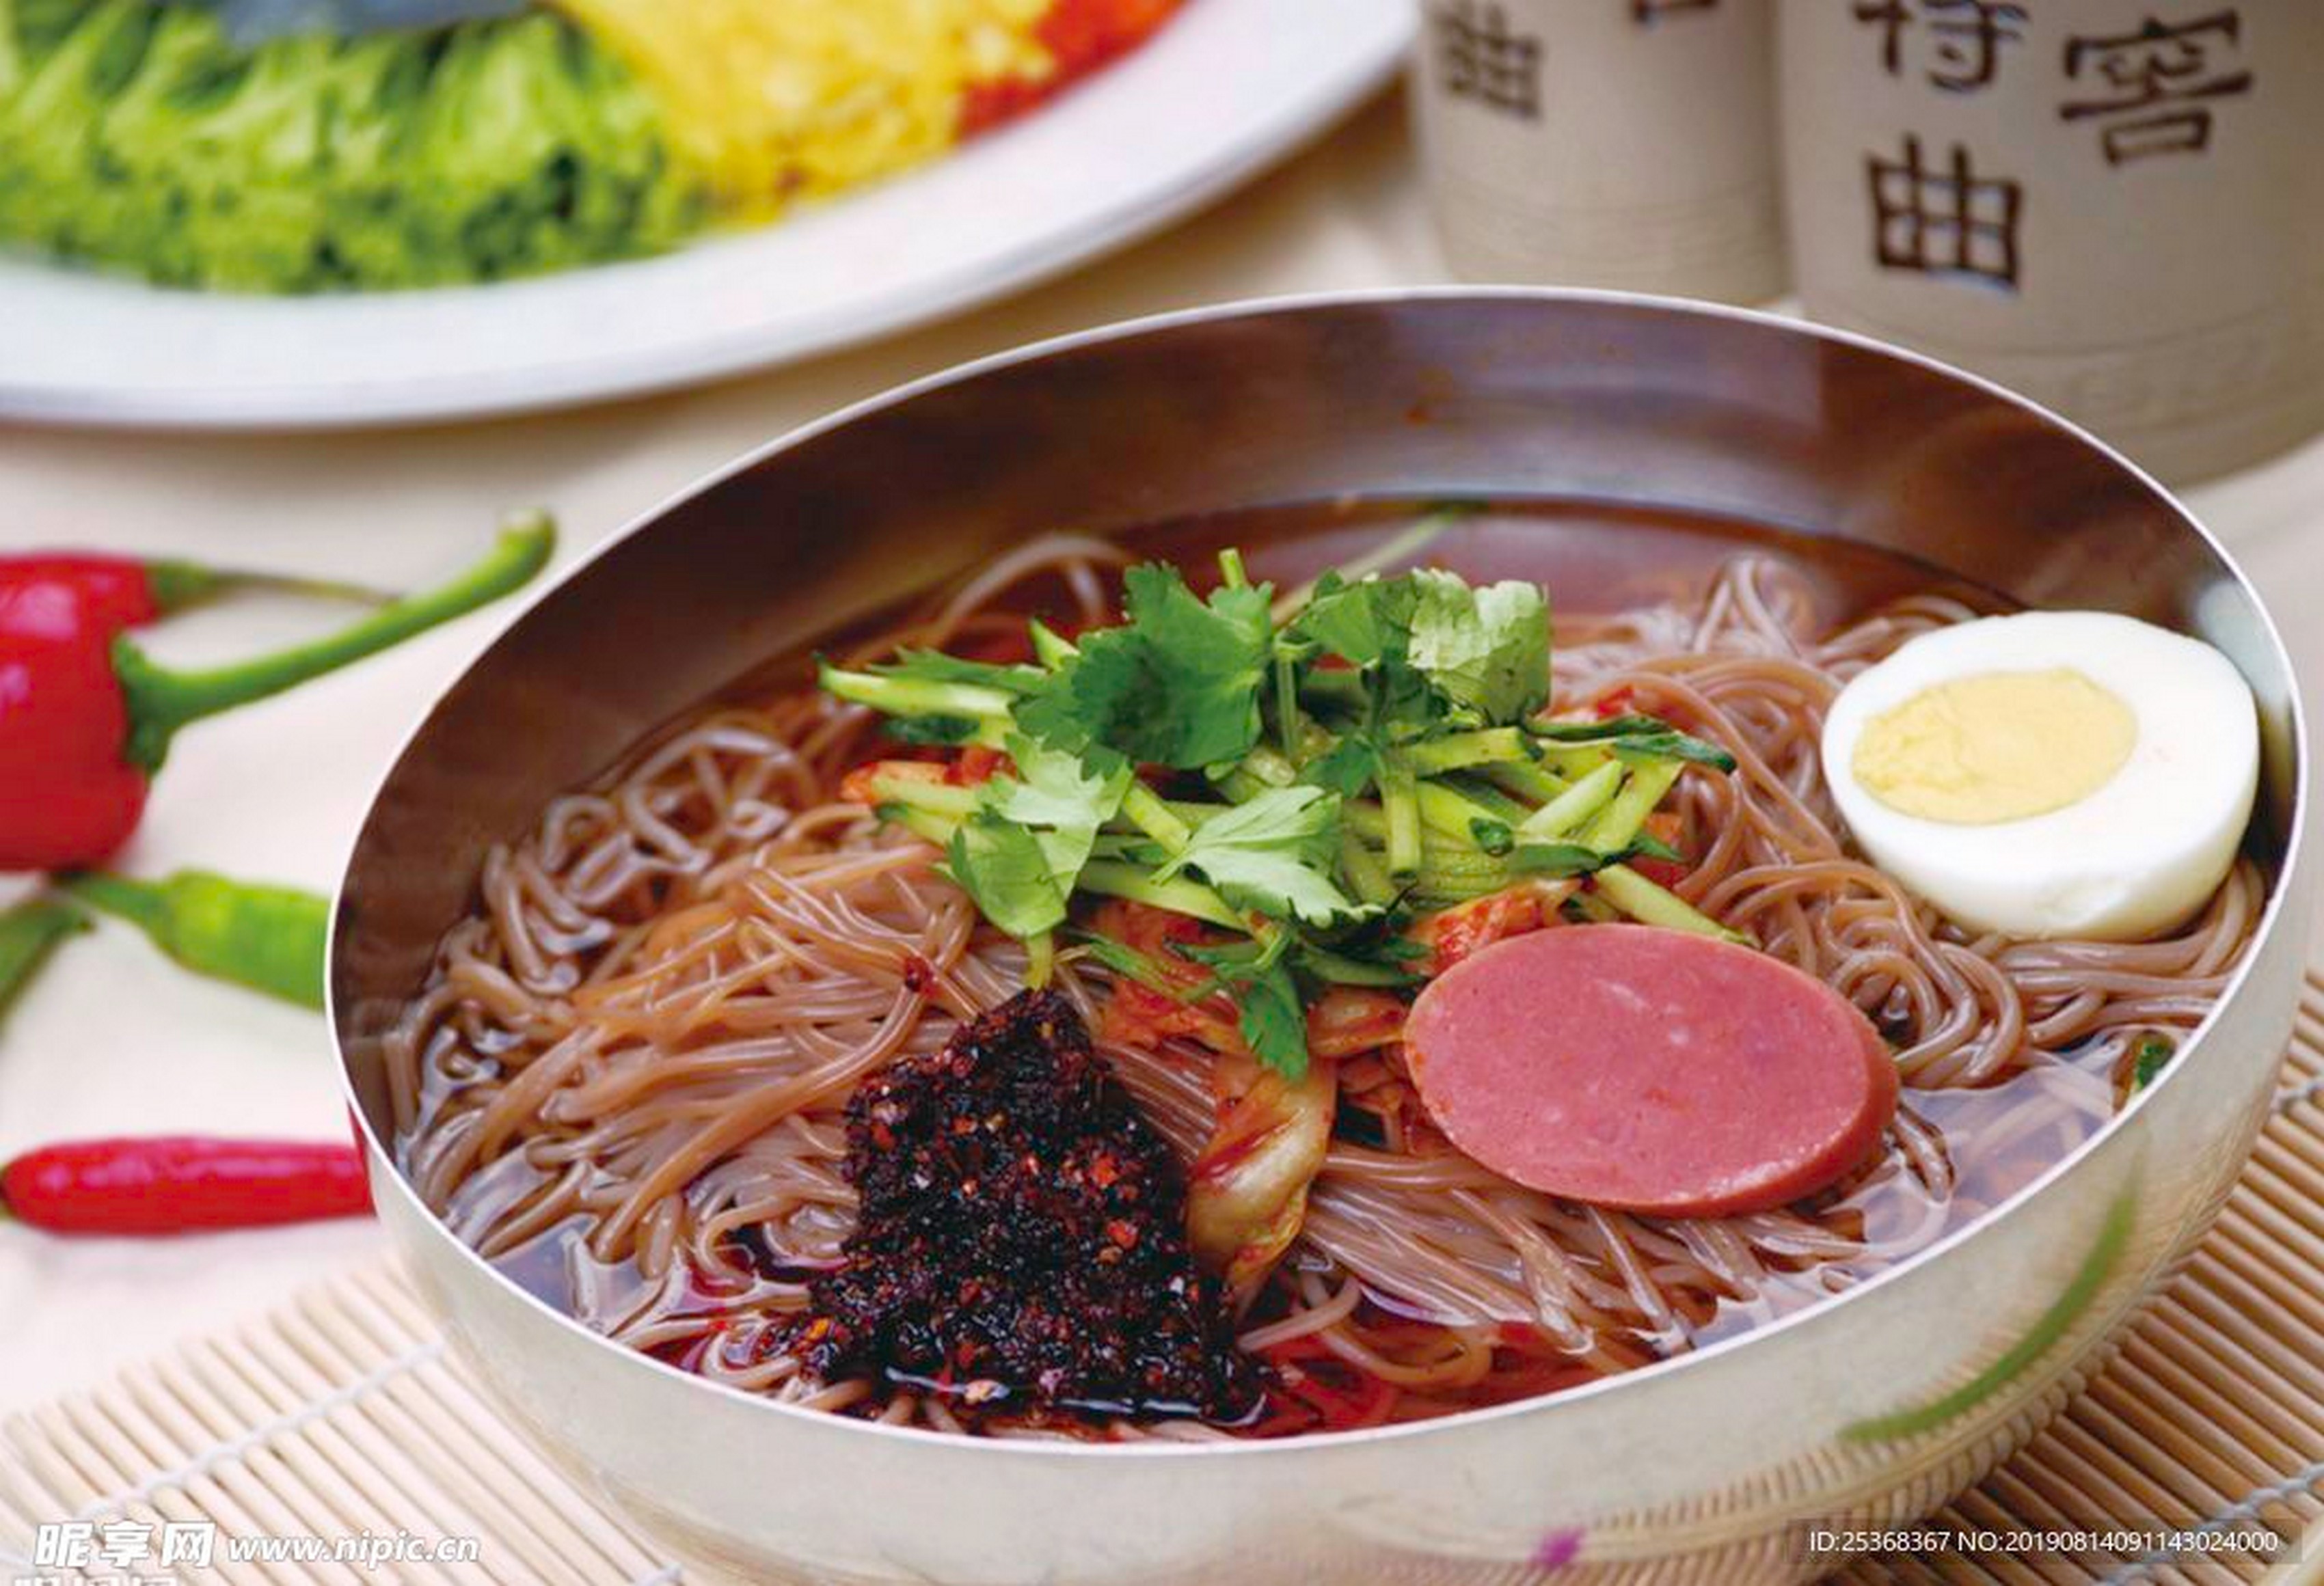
{"x": 1718, "y": 1466}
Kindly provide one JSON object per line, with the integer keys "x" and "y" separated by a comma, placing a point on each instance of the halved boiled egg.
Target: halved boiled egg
{"x": 2049, "y": 774}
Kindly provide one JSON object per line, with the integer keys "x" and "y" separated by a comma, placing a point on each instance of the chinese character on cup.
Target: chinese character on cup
{"x": 2112, "y": 205}
{"x": 1625, "y": 143}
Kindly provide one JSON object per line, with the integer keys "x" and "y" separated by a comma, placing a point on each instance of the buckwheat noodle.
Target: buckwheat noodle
{"x": 640, "y": 1044}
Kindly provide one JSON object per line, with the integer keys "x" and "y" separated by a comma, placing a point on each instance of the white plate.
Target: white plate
{"x": 1226, "y": 86}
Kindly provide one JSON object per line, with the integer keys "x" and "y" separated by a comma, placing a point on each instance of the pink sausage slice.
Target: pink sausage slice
{"x": 1650, "y": 1070}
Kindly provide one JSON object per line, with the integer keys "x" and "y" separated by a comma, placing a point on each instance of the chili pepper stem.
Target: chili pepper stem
{"x": 268, "y": 938}
{"x": 142, "y": 903}
{"x": 177, "y": 585}
{"x": 161, "y": 701}
{"x": 29, "y": 933}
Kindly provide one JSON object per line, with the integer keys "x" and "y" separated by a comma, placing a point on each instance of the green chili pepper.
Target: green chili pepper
{"x": 267, "y": 938}
{"x": 29, "y": 933}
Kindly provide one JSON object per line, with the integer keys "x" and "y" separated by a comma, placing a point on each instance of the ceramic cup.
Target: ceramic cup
{"x": 2111, "y": 205}
{"x": 1625, "y": 143}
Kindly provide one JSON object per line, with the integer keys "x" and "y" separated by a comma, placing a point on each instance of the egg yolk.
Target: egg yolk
{"x": 1996, "y": 746}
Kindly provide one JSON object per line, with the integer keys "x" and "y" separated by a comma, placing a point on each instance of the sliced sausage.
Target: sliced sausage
{"x": 1650, "y": 1070}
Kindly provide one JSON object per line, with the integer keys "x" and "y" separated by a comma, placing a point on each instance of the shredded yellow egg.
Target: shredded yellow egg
{"x": 771, "y": 100}
{"x": 1996, "y": 746}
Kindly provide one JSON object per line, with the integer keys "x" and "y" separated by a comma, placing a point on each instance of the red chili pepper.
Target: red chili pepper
{"x": 180, "y": 1184}
{"x": 119, "y": 591}
{"x": 86, "y": 717}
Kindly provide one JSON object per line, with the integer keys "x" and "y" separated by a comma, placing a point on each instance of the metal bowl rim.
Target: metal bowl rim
{"x": 2269, "y": 924}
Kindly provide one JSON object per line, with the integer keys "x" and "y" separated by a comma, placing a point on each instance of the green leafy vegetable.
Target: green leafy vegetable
{"x": 1363, "y": 623}
{"x": 1269, "y": 1012}
{"x": 1485, "y": 650}
{"x": 1020, "y": 878}
{"x": 1269, "y": 1009}
{"x": 1276, "y": 855}
{"x": 1177, "y": 685}
{"x": 1349, "y": 767}
{"x": 1021, "y": 853}
{"x": 1274, "y": 1019}
{"x": 1064, "y": 792}
{"x": 1368, "y": 626}
{"x": 141, "y": 136}
{"x": 1403, "y": 772}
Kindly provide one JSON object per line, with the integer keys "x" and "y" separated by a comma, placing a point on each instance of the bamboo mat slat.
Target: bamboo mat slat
{"x": 344, "y": 1413}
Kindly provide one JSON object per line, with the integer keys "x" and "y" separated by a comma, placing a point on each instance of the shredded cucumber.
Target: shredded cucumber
{"x": 1651, "y": 904}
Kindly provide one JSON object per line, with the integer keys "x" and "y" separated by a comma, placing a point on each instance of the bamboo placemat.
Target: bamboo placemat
{"x": 345, "y": 1413}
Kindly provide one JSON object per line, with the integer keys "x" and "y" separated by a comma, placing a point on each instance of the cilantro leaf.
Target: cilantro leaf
{"x": 1485, "y": 650}
{"x": 1019, "y": 854}
{"x": 1349, "y": 767}
{"x": 1277, "y": 854}
{"x": 1405, "y": 707}
{"x": 1430, "y": 646}
{"x": 1273, "y": 1020}
{"x": 1636, "y": 734}
{"x": 1368, "y": 625}
{"x": 1069, "y": 714}
{"x": 1269, "y": 1010}
{"x": 1020, "y": 878}
{"x": 1071, "y": 793}
{"x": 1364, "y": 623}
{"x": 1177, "y": 685}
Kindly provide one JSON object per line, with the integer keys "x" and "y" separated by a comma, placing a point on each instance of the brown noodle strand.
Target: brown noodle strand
{"x": 639, "y": 1046}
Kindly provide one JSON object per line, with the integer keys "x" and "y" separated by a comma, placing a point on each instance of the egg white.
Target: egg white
{"x": 2138, "y": 855}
